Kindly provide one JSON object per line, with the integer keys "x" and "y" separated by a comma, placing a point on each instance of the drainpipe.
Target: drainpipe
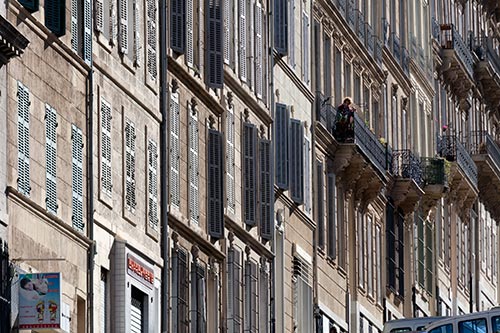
{"x": 164, "y": 170}
{"x": 270, "y": 10}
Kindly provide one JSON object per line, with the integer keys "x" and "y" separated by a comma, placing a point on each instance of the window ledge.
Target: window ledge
{"x": 103, "y": 42}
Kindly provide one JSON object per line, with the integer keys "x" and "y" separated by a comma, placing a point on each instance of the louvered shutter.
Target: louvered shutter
{"x": 290, "y": 37}
{"x": 177, "y": 25}
{"x": 151, "y": 39}
{"x": 113, "y": 24}
{"x": 332, "y": 216}
{"x": 266, "y": 190}
{"x": 214, "y": 42}
{"x": 230, "y": 161}
{"x": 99, "y": 15}
{"x": 194, "y": 172}
{"x": 77, "y": 177}
{"x": 106, "y": 178}
{"x": 180, "y": 291}
{"x": 175, "y": 150}
{"x": 249, "y": 173}
{"x": 233, "y": 291}
{"x": 174, "y": 291}
{"x": 242, "y": 62}
{"x": 75, "y": 35}
{"x": 51, "y": 159}
{"x": 30, "y": 5}
{"x": 137, "y": 33}
{"x": 228, "y": 28}
{"x": 103, "y": 302}
{"x": 250, "y": 45}
{"x": 296, "y": 145}
{"x": 251, "y": 297}
{"x": 87, "y": 31}
{"x": 23, "y": 139}
{"x": 307, "y": 176}
{"x": 320, "y": 215}
{"x": 189, "y": 33}
{"x": 305, "y": 47}
{"x": 302, "y": 298}
{"x": 55, "y": 16}
{"x": 123, "y": 25}
{"x": 130, "y": 197}
{"x": 153, "y": 184}
{"x": 281, "y": 145}
{"x": 258, "y": 50}
{"x": 215, "y": 214}
{"x": 280, "y": 26}
{"x": 264, "y": 300}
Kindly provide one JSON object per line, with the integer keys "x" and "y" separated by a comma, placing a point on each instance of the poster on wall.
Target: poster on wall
{"x": 40, "y": 300}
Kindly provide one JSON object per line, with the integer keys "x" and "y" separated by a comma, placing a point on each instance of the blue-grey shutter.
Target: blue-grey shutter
{"x": 51, "y": 159}
{"x": 180, "y": 291}
{"x": 332, "y": 217}
{"x": 177, "y": 25}
{"x": 305, "y": 47}
{"x": 153, "y": 184}
{"x": 290, "y": 38}
{"x": 258, "y": 50}
{"x": 251, "y": 297}
{"x": 123, "y": 25}
{"x": 228, "y": 29}
{"x": 234, "y": 291}
{"x": 151, "y": 62}
{"x": 249, "y": 157}
{"x": 280, "y": 26}
{"x": 75, "y": 31}
{"x": 320, "y": 214}
{"x": 214, "y": 43}
{"x": 189, "y": 33}
{"x": 242, "y": 50}
{"x": 87, "y": 31}
{"x": 296, "y": 145}
{"x": 307, "y": 176}
{"x": 175, "y": 156}
{"x": 130, "y": 186}
{"x": 23, "y": 139}
{"x": 266, "y": 191}
{"x": 264, "y": 300}
{"x": 30, "y": 5}
{"x": 55, "y": 16}
{"x": 194, "y": 173}
{"x": 77, "y": 177}
{"x": 281, "y": 124}
{"x": 215, "y": 205}
{"x": 106, "y": 178}
{"x": 230, "y": 161}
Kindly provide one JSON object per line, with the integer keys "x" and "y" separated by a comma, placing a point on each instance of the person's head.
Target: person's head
{"x": 347, "y": 101}
{"x": 42, "y": 286}
{"x": 27, "y": 284}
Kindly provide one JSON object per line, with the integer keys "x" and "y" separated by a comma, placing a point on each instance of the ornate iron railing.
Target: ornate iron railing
{"x": 453, "y": 150}
{"x": 386, "y": 27}
{"x": 361, "y": 26}
{"x": 405, "y": 61}
{"x": 351, "y": 14}
{"x": 370, "y": 39}
{"x": 436, "y": 30}
{"x": 451, "y": 39}
{"x": 396, "y": 47}
{"x": 434, "y": 171}
{"x": 483, "y": 143}
{"x": 377, "y": 53}
{"x": 406, "y": 165}
{"x": 325, "y": 112}
{"x": 342, "y": 5}
{"x": 486, "y": 52}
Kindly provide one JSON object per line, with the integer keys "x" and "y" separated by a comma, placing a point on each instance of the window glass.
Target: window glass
{"x": 401, "y": 330}
{"x": 472, "y": 326}
{"x": 495, "y": 324}
{"x": 443, "y": 329}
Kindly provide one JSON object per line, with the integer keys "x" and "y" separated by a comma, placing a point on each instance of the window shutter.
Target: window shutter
{"x": 180, "y": 290}
{"x": 177, "y": 24}
{"x": 55, "y": 16}
{"x": 123, "y": 25}
{"x": 249, "y": 173}
{"x": 242, "y": 10}
{"x": 305, "y": 47}
{"x": 87, "y": 31}
{"x": 130, "y": 199}
{"x": 151, "y": 39}
{"x": 23, "y": 138}
{"x": 215, "y": 204}
{"x": 264, "y": 300}
{"x": 280, "y": 26}
{"x": 153, "y": 184}
{"x": 189, "y": 33}
{"x": 103, "y": 301}
{"x": 137, "y": 33}
{"x": 296, "y": 161}
{"x": 214, "y": 41}
{"x": 302, "y": 300}
{"x": 228, "y": 28}
{"x": 266, "y": 191}
{"x": 51, "y": 159}
{"x": 320, "y": 215}
{"x": 230, "y": 161}
{"x": 99, "y": 15}
{"x": 234, "y": 293}
{"x": 194, "y": 173}
{"x": 332, "y": 216}
{"x": 30, "y": 5}
{"x": 113, "y": 29}
{"x": 307, "y": 176}
{"x": 77, "y": 179}
{"x": 290, "y": 37}
{"x": 251, "y": 297}
{"x": 75, "y": 35}
{"x": 281, "y": 145}
{"x": 258, "y": 50}
{"x": 250, "y": 45}
{"x": 106, "y": 174}
{"x": 174, "y": 150}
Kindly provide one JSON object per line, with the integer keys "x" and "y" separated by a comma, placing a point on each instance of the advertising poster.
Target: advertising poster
{"x": 40, "y": 300}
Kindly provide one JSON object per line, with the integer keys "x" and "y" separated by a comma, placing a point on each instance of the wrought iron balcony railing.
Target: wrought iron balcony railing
{"x": 370, "y": 39}
{"x": 325, "y": 112}
{"x": 421, "y": 57}
{"x": 452, "y": 149}
{"x": 451, "y": 40}
{"x": 406, "y": 165}
{"x": 342, "y": 5}
{"x": 436, "y": 30}
{"x": 351, "y": 14}
{"x": 396, "y": 47}
{"x": 405, "y": 61}
{"x": 434, "y": 171}
{"x": 386, "y": 32}
{"x": 377, "y": 52}
{"x": 486, "y": 52}
{"x": 360, "y": 27}
{"x": 483, "y": 143}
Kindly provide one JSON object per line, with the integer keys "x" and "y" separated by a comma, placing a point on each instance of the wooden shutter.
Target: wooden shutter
{"x": 180, "y": 291}
{"x": 177, "y": 25}
{"x": 296, "y": 145}
{"x": 320, "y": 214}
{"x": 189, "y": 33}
{"x": 264, "y": 300}
{"x": 307, "y": 176}
{"x": 75, "y": 31}
{"x": 106, "y": 174}
{"x": 113, "y": 24}
{"x": 234, "y": 291}
{"x": 123, "y": 25}
{"x": 290, "y": 37}
{"x": 51, "y": 159}
{"x": 332, "y": 217}
{"x": 23, "y": 139}
{"x": 249, "y": 173}
{"x": 215, "y": 206}
{"x": 280, "y": 26}
{"x": 77, "y": 177}
{"x": 242, "y": 50}
{"x": 258, "y": 50}
{"x": 99, "y": 15}
{"x": 305, "y": 47}
{"x": 153, "y": 184}
{"x": 175, "y": 156}
{"x": 130, "y": 197}
{"x": 230, "y": 161}
{"x": 251, "y": 297}
{"x": 303, "y": 302}
{"x": 87, "y": 31}
{"x": 55, "y": 16}
{"x": 250, "y": 45}
{"x": 137, "y": 33}
{"x": 30, "y": 5}
{"x": 228, "y": 29}
{"x": 266, "y": 191}
{"x": 281, "y": 145}
{"x": 214, "y": 40}
{"x": 151, "y": 39}
{"x": 194, "y": 172}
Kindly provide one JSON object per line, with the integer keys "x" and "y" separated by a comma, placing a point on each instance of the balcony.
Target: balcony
{"x": 457, "y": 69}
{"x": 370, "y": 39}
{"x": 12, "y": 42}
{"x": 396, "y": 47}
{"x": 435, "y": 181}
{"x": 492, "y": 9}
{"x": 325, "y": 122}
{"x": 486, "y": 155}
{"x": 360, "y": 26}
{"x": 436, "y": 30}
{"x": 408, "y": 178}
{"x": 405, "y": 61}
{"x": 462, "y": 176}
{"x": 351, "y": 14}
{"x": 487, "y": 71}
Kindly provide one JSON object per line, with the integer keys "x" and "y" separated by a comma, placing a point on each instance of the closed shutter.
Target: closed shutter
{"x": 177, "y": 25}
{"x": 234, "y": 291}
{"x": 242, "y": 62}
{"x": 281, "y": 145}
{"x": 137, "y": 33}
{"x": 228, "y": 29}
{"x": 250, "y": 45}
{"x": 103, "y": 302}
{"x": 87, "y": 31}
{"x": 249, "y": 173}
{"x": 153, "y": 184}
{"x": 305, "y": 47}
{"x": 123, "y": 25}
{"x": 280, "y": 26}
{"x": 214, "y": 41}
{"x": 175, "y": 150}
{"x": 198, "y": 298}
{"x": 307, "y": 176}
{"x": 296, "y": 161}
{"x": 189, "y": 33}
{"x": 194, "y": 172}
{"x": 130, "y": 198}
{"x": 320, "y": 215}
{"x": 75, "y": 31}
{"x": 30, "y": 5}
{"x": 258, "y": 50}
{"x": 151, "y": 39}
{"x": 332, "y": 216}
{"x": 230, "y": 161}
{"x": 77, "y": 179}
{"x": 23, "y": 139}
{"x": 180, "y": 291}
{"x": 106, "y": 178}
{"x": 99, "y": 15}
{"x": 55, "y": 16}
{"x": 51, "y": 159}
{"x": 215, "y": 217}
{"x": 136, "y": 314}
{"x": 290, "y": 34}
{"x": 251, "y": 297}
{"x": 302, "y": 300}
{"x": 266, "y": 190}
{"x": 264, "y": 300}
{"x": 113, "y": 24}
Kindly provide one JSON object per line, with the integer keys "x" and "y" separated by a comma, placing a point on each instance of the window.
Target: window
{"x": 332, "y": 216}
{"x": 338, "y": 74}
{"x": 443, "y": 329}
{"x": 234, "y": 297}
{"x": 130, "y": 185}
{"x": 55, "y": 16}
{"x": 104, "y": 18}
{"x": 51, "y": 159}
{"x": 249, "y": 158}
{"x": 251, "y": 297}
{"x": 104, "y": 301}
{"x": 230, "y": 161}
{"x": 341, "y": 230}
{"x": 213, "y": 42}
{"x": 177, "y": 25}
{"x": 242, "y": 62}
{"x": 266, "y": 190}
{"x": 138, "y": 311}
{"x": 395, "y": 249}
{"x": 305, "y": 48}
{"x": 153, "y": 184}
{"x": 259, "y": 51}
{"x": 81, "y": 39}
{"x": 361, "y": 241}
{"x": 215, "y": 204}
{"x": 302, "y": 295}
{"x": 472, "y": 326}
{"x": 378, "y": 263}
{"x": 180, "y": 291}
{"x": 198, "y": 299}
{"x": 281, "y": 145}
{"x": 23, "y": 139}
{"x": 77, "y": 177}
{"x": 347, "y": 79}
{"x": 296, "y": 145}
{"x": 327, "y": 63}
{"x": 320, "y": 213}
{"x": 151, "y": 40}
{"x": 175, "y": 157}
{"x": 281, "y": 27}
{"x": 129, "y": 29}
{"x": 264, "y": 298}
{"x": 370, "y": 253}
{"x": 228, "y": 32}
{"x": 106, "y": 178}
{"x": 194, "y": 172}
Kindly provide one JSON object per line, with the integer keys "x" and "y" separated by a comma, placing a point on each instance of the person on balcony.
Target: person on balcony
{"x": 345, "y": 121}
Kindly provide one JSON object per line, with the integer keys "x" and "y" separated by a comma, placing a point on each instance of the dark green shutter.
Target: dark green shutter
{"x": 280, "y": 26}
{"x": 30, "y": 5}
{"x": 266, "y": 191}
